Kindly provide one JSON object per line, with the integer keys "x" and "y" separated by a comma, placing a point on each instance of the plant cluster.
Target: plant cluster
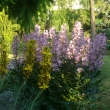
{"x": 6, "y": 31}
{"x": 59, "y": 74}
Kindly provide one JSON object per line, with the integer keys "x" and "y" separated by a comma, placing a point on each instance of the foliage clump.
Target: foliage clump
{"x": 25, "y": 11}
{"x": 6, "y": 31}
{"x": 61, "y": 75}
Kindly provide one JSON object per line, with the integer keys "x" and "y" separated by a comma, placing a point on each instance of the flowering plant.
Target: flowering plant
{"x": 61, "y": 74}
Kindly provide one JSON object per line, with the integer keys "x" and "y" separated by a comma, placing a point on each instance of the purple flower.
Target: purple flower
{"x": 96, "y": 52}
{"x": 15, "y": 46}
{"x": 78, "y": 47}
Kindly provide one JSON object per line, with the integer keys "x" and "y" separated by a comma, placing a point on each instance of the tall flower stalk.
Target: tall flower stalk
{"x": 29, "y": 63}
{"x": 78, "y": 46}
{"x": 45, "y": 68}
{"x": 44, "y": 77}
{"x": 15, "y": 47}
{"x": 30, "y": 55}
{"x": 97, "y": 51}
{"x": 59, "y": 47}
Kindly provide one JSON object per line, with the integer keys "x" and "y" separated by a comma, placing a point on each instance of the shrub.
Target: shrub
{"x": 60, "y": 74}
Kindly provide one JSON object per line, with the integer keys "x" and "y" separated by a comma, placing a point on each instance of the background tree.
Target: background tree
{"x": 103, "y": 17}
{"x": 101, "y": 13}
{"x": 65, "y": 14}
{"x": 92, "y": 19}
{"x": 25, "y": 11}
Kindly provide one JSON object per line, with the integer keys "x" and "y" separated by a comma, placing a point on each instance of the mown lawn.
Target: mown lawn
{"x": 104, "y": 100}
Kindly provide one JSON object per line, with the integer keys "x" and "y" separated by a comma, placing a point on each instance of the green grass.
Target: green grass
{"x": 104, "y": 101}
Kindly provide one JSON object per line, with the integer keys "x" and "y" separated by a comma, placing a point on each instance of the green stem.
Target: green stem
{"x": 2, "y": 82}
{"x": 32, "y": 105}
{"x": 18, "y": 95}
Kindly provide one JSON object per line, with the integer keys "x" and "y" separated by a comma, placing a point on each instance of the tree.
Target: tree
{"x": 103, "y": 13}
{"x": 85, "y": 3}
{"x": 92, "y": 19}
{"x": 89, "y": 5}
{"x": 25, "y": 11}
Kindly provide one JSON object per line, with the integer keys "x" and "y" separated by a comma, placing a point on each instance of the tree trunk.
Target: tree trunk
{"x": 92, "y": 19}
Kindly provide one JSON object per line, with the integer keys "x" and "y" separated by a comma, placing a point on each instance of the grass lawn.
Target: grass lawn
{"x": 104, "y": 101}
